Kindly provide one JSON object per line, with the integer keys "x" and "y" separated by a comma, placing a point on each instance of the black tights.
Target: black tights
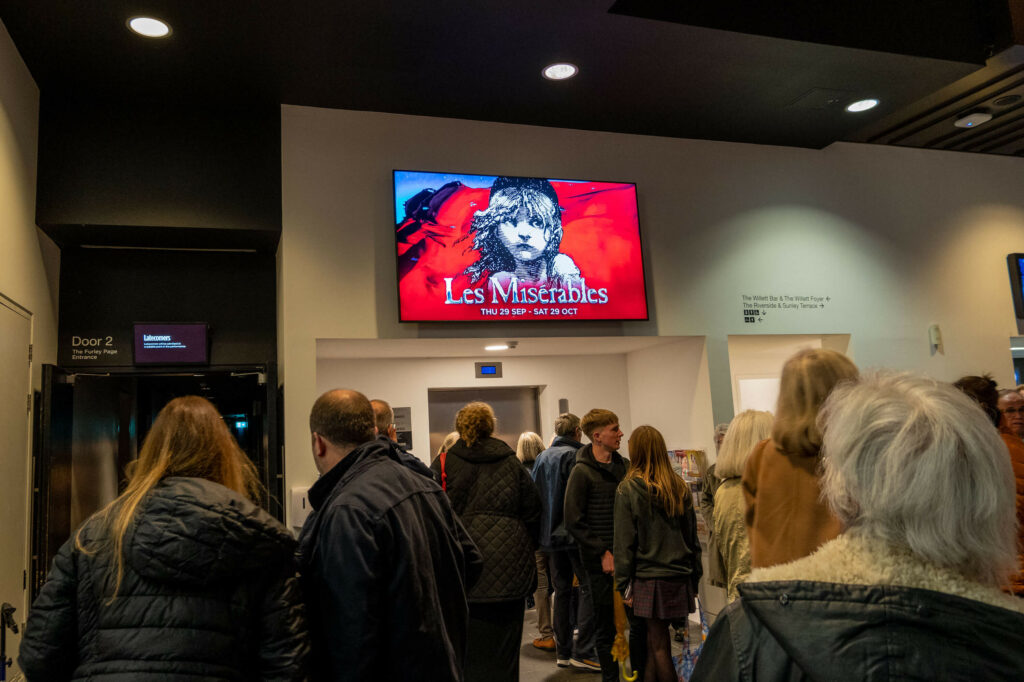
{"x": 659, "y": 666}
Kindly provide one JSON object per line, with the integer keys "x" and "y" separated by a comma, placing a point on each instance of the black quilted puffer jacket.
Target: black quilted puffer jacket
{"x": 494, "y": 495}
{"x": 209, "y": 593}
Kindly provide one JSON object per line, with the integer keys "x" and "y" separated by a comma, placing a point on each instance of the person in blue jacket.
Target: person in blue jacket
{"x": 551, "y": 474}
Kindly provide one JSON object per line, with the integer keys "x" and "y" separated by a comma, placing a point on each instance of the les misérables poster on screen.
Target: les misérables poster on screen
{"x": 473, "y": 247}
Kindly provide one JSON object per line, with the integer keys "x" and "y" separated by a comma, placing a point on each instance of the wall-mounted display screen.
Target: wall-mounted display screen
{"x": 1015, "y": 263}
{"x": 171, "y": 344}
{"x": 481, "y": 247}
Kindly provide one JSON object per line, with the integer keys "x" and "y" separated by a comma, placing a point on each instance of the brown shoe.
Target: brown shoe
{"x": 545, "y": 643}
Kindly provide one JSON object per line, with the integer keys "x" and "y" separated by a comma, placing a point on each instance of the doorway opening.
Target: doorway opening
{"x": 16, "y": 361}
{"x": 516, "y": 408}
{"x": 756, "y": 360}
{"x": 91, "y": 426}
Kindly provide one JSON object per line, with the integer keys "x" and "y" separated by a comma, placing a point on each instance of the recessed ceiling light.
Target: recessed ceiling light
{"x": 862, "y": 105}
{"x": 560, "y": 71}
{"x": 149, "y": 27}
{"x": 497, "y": 346}
{"x": 1006, "y": 100}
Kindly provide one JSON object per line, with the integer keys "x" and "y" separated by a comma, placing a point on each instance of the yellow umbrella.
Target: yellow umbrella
{"x": 620, "y": 647}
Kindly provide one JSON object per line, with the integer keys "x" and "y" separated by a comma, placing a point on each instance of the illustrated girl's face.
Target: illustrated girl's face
{"x": 523, "y": 235}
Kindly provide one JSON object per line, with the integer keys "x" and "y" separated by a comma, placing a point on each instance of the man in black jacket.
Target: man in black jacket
{"x": 384, "y": 419}
{"x": 590, "y": 517}
{"x": 384, "y": 560}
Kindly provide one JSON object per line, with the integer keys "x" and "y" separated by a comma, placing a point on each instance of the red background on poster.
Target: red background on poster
{"x": 600, "y": 232}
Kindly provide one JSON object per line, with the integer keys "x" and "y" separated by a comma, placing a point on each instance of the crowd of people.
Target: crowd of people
{"x": 870, "y": 529}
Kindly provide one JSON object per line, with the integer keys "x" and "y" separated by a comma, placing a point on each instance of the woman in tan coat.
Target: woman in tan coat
{"x": 786, "y": 518}
{"x": 745, "y": 432}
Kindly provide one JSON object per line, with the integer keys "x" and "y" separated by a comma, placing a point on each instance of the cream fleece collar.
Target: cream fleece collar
{"x": 865, "y": 561}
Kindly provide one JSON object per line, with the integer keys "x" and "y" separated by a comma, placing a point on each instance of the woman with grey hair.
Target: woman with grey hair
{"x": 920, "y": 482}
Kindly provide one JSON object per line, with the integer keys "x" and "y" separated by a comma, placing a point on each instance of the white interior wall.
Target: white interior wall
{"x": 28, "y": 258}
{"x": 670, "y": 390}
{"x": 28, "y": 267}
{"x": 664, "y": 385}
{"x": 896, "y": 239}
{"x": 760, "y": 356}
{"x": 586, "y": 381}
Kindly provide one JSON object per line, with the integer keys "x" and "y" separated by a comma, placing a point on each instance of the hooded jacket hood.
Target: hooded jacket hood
{"x": 585, "y": 455}
{"x": 885, "y": 631}
{"x": 488, "y": 449}
{"x": 859, "y": 609}
{"x": 190, "y": 530}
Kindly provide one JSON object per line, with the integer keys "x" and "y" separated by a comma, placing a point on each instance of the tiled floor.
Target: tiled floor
{"x": 539, "y": 666}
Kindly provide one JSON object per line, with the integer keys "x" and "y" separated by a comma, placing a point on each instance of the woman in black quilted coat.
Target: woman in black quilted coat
{"x": 496, "y": 499}
{"x": 180, "y": 578}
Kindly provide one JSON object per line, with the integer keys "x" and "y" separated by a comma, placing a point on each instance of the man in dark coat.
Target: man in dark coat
{"x": 590, "y": 517}
{"x": 384, "y": 560}
{"x": 384, "y": 419}
{"x": 551, "y": 474}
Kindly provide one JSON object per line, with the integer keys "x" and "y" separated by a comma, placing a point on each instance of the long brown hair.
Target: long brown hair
{"x": 807, "y": 379}
{"x": 188, "y": 438}
{"x": 648, "y": 462}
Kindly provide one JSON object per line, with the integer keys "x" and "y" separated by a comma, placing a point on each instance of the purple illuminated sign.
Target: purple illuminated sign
{"x": 171, "y": 344}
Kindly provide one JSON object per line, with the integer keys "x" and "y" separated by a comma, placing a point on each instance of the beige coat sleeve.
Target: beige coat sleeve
{"x": 731, "y": 531}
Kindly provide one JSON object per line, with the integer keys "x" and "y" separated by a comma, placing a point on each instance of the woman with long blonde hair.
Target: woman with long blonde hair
{"x": 181, "y": 576}
{"x": 745, "y": 431}
{"x": 657, "y": 552}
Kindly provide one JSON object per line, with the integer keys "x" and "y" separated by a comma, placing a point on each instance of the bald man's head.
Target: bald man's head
{"x": 343, "y": 417}
{"x": 383, "y": 415}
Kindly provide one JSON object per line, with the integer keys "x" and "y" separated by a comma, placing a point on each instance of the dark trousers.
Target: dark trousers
{"x": 563, "y": 565}
{"x": 493, "y": 641}
{"x": 637, "y": 643}
{"x": 602, "y": 586}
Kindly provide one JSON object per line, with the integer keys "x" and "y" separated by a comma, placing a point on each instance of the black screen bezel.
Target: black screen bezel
{"x": 640, "y": 238}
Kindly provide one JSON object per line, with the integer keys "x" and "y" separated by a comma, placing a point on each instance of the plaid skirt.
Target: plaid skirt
{"x": 663, "y": 599}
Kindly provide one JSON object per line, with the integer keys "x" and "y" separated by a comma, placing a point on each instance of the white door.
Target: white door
{"x": 15, "y": 387}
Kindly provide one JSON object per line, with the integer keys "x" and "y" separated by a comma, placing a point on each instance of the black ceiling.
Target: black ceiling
{"x": 771, "y": 73}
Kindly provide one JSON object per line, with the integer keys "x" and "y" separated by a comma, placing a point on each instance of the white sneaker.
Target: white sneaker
{"x": 585, "y": 664}
{"x": 562, "y": 662}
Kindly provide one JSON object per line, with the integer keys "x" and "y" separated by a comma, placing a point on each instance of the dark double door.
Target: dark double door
{"x": 90, "y": 426}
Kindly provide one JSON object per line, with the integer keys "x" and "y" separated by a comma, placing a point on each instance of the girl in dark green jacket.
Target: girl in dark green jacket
{"x": 657, "y": 553}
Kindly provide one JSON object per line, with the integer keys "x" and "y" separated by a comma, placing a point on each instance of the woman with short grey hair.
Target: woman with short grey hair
{"x": 922, "y": 486}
